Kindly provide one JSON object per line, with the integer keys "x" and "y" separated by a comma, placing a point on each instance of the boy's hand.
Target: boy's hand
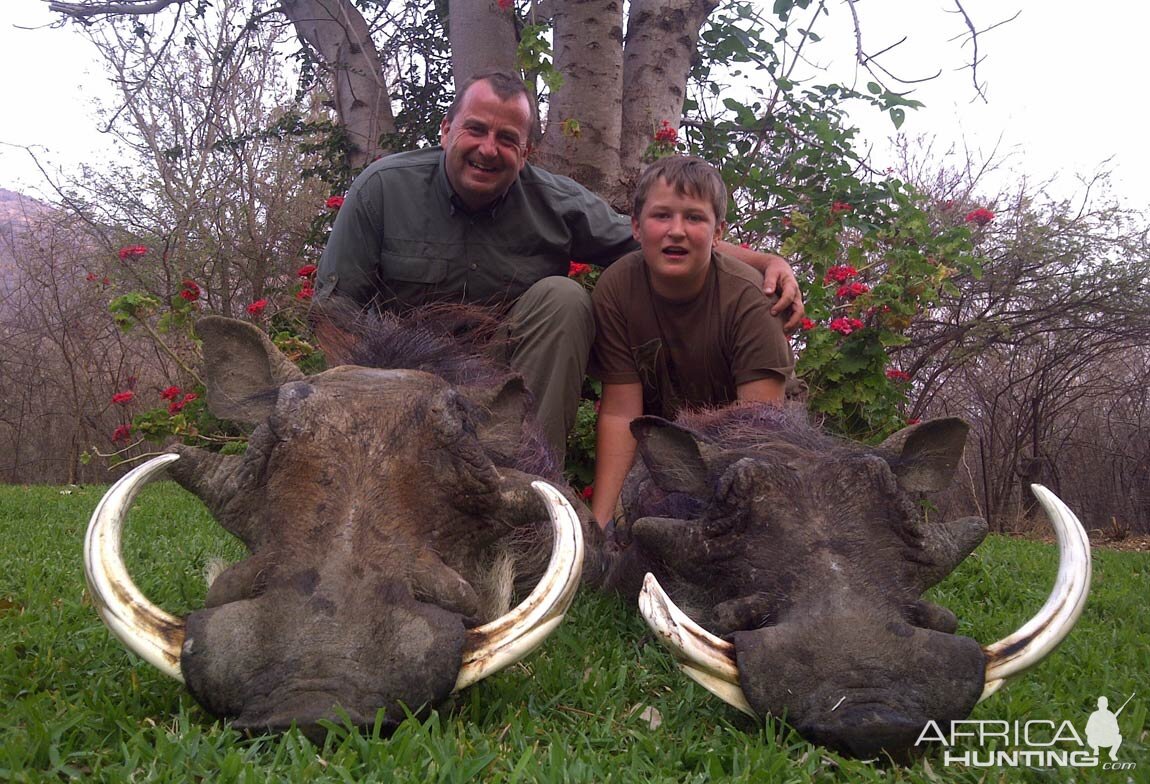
{"x": 778, "y": 275}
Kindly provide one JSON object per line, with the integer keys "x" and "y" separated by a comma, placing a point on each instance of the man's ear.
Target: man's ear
{"x": 444, "y": 127}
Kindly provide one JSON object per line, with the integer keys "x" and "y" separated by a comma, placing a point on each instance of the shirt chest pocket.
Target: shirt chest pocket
{"x": 428, "y": 270}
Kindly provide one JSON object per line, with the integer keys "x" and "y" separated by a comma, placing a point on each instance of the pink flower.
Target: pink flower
{"x": 840, "y": 207}
{"x": 176, "y": 406}
{"x": 897, "y": 375}
{"x": 131, "y": 251}
{"x": 334, "y": 202}
{"x": 981, "y": 216}
{"x": 191, "y": 291}
{"x": 852, "y": 290}
{"x": 91, "y": 277}
{"x": 171, "y": 393}
{"x": 666, "y": 133}
{"x": 576, "y": 269}
{"x": 840, "y": 274}
{"x": 845, "y": 326}
{"x": 257, "y": 307}
{"x": 305, "y": 270}
{"x": 807, "y": 324}
{"x": 123, "y": 398}
{"x": 121, "y": 433}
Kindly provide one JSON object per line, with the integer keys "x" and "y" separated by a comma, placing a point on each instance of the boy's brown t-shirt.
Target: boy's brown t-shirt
{"x": 688, "y": 354}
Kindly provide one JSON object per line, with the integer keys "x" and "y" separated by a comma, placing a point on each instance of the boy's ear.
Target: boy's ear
{"x": 720, "y": 231}
{"x": 635, "y": 227}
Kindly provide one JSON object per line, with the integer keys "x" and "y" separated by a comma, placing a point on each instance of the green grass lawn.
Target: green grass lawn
{"x": 581, "y": 709}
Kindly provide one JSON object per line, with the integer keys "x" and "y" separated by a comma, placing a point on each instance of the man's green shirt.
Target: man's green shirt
{"x": 403, "y": 238}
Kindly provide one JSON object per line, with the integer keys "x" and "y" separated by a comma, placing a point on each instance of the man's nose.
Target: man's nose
{"x": 488, "y": 146}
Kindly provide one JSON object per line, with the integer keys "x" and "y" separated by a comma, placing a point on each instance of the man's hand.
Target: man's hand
{"x": 779, "y": 275}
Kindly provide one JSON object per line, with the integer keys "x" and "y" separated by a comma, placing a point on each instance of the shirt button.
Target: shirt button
{"x": 474, "y": 266}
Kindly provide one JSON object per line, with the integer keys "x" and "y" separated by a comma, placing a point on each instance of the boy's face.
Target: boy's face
{"x": 676, "y": 233}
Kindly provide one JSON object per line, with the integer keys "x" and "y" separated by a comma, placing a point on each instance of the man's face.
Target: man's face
{"x": 485, "y": 144}
{"x": 676, "y": 232}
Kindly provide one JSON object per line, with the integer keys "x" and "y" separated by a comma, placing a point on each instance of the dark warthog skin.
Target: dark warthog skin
{"x": 375, "y": 503}
{"x": 810, "y": 554}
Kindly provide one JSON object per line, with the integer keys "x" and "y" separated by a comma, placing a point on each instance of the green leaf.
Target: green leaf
{"x": 897, "y": 116}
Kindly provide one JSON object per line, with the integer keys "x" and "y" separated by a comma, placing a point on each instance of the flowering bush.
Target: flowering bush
{"x": 575, "y": 269}
{"x": 840, "y": 207}
{"x": 334, "y": 202}
{"x": 123, "y": 398}
{"x": 257, "y": 307}
{"x": 121, "y": 434}
{"x": 851, "y": 290}
{"x": 307, "y": 270}
{"x": 895, "y": 374}
{"x": 981, "y": 216}
{"x": 845, "y": 326}
{"x": 190, "y": 291}
{"x": 840, "y": 273}
{"x": 664, "y": 142}
{"x": 170, "y": 393}
{"x": 132, "y": 251}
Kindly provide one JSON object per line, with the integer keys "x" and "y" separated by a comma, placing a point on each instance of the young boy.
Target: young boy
{"x": 677, "y": 325}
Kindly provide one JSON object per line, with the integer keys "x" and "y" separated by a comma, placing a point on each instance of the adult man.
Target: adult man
{"x": 472, "y": 221}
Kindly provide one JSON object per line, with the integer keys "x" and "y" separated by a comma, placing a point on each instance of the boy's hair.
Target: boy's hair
{"x": 504, "y": 84}
{"x": 689, "y": 176}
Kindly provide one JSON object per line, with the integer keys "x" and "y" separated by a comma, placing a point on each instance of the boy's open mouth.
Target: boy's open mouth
{"x": 675, "y": 250}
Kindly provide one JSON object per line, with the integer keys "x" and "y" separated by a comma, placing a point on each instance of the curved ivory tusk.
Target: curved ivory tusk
{"x": 506, "y": 640}
{"x": 1043, "y": 633}
{"x": 706, "y": 659}
{"x": 145, "y": 629}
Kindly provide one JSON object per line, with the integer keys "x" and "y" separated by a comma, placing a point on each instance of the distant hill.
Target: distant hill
{"x": 16, "y": 210}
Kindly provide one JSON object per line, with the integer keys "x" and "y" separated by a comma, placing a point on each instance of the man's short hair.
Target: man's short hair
{"x": 689, "y": 176}
{"x": 504, "y": 84}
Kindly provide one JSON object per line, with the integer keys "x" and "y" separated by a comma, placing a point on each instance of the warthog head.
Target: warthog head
{"x": 385, "y": 526}
{"x": 800, "y": 562}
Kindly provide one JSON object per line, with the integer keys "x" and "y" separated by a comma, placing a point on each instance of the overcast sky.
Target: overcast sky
{"x": 1066, "y": 86}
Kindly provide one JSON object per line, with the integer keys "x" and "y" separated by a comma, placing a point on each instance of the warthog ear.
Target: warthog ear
{"x": 507, "y": 406}
{"x": 240, "y": 361}
{"x": 927, "y": 453}
{"x": 674, "y": 456}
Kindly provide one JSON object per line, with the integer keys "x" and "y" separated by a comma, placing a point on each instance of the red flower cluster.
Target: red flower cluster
{"x": 840, "y": 207}
{"x": 575, "y": 269}
{"x": 123, "y": 398}
{"x": 807, "y": 324}
{"x": 981, "y": 216}
{"x": 306, "y": 270}
{"x": 257, "y": 307}
{"x": 666, "y": 133}
{"x": 305, "y": 292}
{"x": 852, "y": 290}
{"x": 845, "y": 326}
{"x": 587, "y": 492}
{"x": 913, "y": 421}
{"x": 171, "y": 393}
{"x": 840, "y": 274}
{"x": 334, "y": 202}
{"x": 505, "y": 5}
{"x": 121, "y": 433}
{"x": 897, "y": 375}
{"x": 176, "y": 406}
{"x": 131, "y": 251}
{"x": 190, "y": 292}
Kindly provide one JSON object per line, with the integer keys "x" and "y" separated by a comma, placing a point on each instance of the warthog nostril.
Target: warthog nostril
{"x": 865, "y": 732}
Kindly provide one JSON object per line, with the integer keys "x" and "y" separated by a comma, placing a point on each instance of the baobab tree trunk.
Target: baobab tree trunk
{"x": 339, "y": 35}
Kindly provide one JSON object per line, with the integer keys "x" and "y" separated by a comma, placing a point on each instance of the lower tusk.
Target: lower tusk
{"x": 506, "y": 640}
{"x": 144, "y": 628}
{"x": 1043, "y": 633}
{"x": 706, "y": 659}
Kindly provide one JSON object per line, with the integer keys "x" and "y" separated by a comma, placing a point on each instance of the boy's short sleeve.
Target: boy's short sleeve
{"x": 611, "y": 359}
{"x": 760, "y": 348}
